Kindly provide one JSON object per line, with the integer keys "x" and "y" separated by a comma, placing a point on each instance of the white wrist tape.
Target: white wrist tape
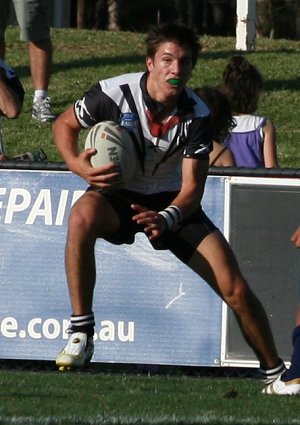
{"x": 172, "y": 216}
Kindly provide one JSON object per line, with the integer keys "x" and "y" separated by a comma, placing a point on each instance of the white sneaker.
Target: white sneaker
{"x": 77, "y": 353}
{"x": 278, "y": 387}
{"x": 41, "y": 110}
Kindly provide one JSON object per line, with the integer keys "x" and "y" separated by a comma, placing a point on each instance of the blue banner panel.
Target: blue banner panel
{"x": 149, "y": 308}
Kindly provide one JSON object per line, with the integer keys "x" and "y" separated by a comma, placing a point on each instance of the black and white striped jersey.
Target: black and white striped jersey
{"x": 159, "y": 147}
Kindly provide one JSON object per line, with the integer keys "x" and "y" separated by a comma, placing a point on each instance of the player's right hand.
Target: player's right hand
{"x": 105, "y": 177}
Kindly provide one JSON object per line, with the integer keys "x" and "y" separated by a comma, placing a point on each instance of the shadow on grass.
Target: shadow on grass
{"x": 90, "y": 62}
{"x": 223, "y": 54}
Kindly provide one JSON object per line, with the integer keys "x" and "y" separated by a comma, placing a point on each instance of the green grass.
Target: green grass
{"x": 89, "y": 398}
{"x": 82, "y": 57}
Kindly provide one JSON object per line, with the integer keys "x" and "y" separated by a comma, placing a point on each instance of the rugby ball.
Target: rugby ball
{"x": 113, "y": 144}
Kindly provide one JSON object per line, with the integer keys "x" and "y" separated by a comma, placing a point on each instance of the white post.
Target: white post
{"x": 245, "y": 28}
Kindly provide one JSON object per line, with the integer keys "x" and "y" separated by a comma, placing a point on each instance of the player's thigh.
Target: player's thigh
{"x": 92, "y": 212}
{"x": 216, "y": 263}
{"x": 33, "y": 19}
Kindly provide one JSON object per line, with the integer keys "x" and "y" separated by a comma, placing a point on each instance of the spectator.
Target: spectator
{"x": 33, "y": 19}
{"x": 222, "y": 123}
{"x": 289, "y": 382}
{"x": 11, "y": 98}
{"x": 253, "y": 140}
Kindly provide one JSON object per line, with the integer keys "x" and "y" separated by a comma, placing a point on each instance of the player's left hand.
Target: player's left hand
{"x": 153, "y": 223}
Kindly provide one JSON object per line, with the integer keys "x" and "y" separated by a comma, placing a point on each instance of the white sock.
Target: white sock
{"x": 40, "y": 93}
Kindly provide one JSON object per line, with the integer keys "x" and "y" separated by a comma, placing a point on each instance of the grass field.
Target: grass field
{"x": 101, "y": 396}
{"x": 83, "y": 57}
{"x": 51, "y": 397}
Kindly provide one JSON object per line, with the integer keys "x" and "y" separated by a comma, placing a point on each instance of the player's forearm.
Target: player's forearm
{"x": 194, "y": 174}
{"x": 188, "y": 199}
{"x": 68, "y": 150}
{"x": 65, "y": 138}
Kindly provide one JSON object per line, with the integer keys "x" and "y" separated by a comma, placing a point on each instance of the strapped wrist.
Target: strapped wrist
{"x": 172, "y": 216}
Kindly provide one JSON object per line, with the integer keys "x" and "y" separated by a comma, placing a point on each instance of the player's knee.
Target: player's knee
{"x": 236, "y": 296}
{"x": 80, "y": 222}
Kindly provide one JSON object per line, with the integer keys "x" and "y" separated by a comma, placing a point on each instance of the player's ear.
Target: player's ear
{"x": 149, "y": 63}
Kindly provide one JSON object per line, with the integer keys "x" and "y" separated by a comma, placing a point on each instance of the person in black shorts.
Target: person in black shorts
{"x": 171, "y": 127}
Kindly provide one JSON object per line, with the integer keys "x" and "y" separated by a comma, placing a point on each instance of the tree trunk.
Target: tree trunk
{"x": 80, "y": 13}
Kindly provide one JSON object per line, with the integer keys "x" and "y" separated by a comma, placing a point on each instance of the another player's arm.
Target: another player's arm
{"x": 66, "y": 129}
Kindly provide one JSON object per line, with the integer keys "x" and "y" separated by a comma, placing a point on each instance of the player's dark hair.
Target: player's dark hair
{"x": 242, "y": 84}
{"x": 177, "y": 33}
{"x": 220, "y": 109}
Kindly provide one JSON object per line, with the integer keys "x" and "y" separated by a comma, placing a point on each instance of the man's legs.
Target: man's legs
{"x": 40, "y": 56}
{"x": 91, "y": 217}
{"x": 33, "y": 19}
{"x": 215, "y": 262}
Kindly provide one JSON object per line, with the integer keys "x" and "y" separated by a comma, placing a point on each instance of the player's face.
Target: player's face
{"x": 169, "y": 71}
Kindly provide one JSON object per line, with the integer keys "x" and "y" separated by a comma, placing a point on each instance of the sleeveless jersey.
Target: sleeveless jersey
{"x": 160, "y": 148}
{"x": 246, "y": 141}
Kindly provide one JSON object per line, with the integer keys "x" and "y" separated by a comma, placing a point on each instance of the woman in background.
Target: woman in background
{"x": 253, "y": 139}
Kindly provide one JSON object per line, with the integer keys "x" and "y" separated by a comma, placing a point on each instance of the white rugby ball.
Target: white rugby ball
{"x": 113, "y": 144}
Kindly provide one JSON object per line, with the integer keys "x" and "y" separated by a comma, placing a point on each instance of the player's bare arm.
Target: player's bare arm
{"x": 66, "y": 129}
{"x": 194, "y": 172}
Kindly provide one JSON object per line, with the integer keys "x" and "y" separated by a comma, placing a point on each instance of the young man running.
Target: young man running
{"x": 171, "y": 127}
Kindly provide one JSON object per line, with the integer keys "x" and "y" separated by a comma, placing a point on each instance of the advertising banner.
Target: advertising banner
{"x": 149, "y": 308}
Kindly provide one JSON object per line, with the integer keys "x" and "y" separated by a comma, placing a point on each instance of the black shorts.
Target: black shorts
{"x": 182, "y": 242}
